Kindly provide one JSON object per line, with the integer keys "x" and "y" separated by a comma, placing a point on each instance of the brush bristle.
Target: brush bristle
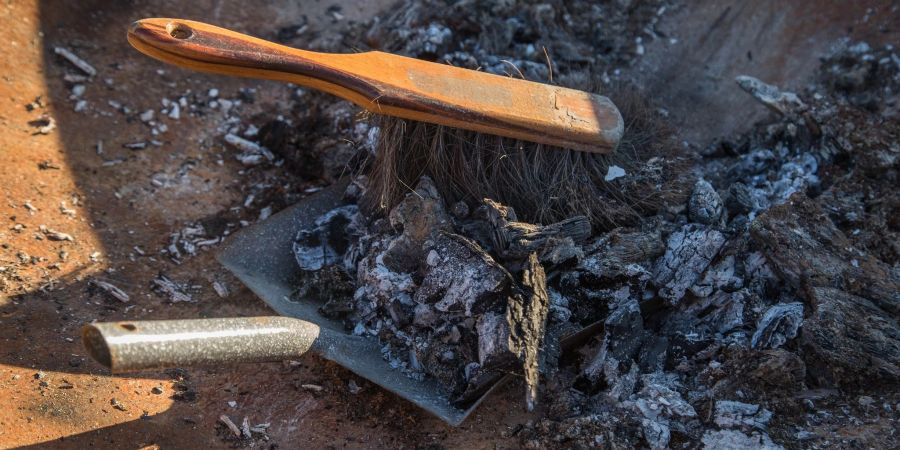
{"x": 543, "y": 184}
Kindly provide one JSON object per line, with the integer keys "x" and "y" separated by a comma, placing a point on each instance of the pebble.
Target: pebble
{"x": 118, "y": 405}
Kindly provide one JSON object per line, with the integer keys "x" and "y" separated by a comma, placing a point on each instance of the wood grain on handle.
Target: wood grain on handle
{"x": 395, "y": 85}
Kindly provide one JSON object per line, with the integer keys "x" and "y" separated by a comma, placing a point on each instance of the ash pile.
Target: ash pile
{"x": 754, "y": 307}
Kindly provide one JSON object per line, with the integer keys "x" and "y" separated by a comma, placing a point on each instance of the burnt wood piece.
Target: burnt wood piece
{"x": 807, "y": 250}
{"x": 554, "y": 243}
{"x": 847, "y": 340}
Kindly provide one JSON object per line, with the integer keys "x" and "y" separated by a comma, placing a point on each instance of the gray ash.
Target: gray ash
{"x": 705, "y": 319}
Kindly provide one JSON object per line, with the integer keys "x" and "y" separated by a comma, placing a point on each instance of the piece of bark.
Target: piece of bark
{"x": 807, "y": 250}
{"x": 689, "y": 252}
{"x": 849, "y": 340}
{"x": 527, "y": 316}
{"x": 777, "y": 368}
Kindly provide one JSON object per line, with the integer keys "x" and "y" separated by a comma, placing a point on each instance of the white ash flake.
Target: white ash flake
{"x": 76, "y": 61}
{"x": 252, "y": 154}
{"x": 188, "y": 241}
{"x": 174, "y": 291}
{"x": 221, "y": 289}
{"x": 112, "y": 290}
{"x": 735, "y": 440}
{"x": 732, "y": 414}
{"x": 147, "y": 115}
{"x": 614, "y": 172}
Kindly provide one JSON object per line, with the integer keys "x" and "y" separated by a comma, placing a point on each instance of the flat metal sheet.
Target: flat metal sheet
{"x": 261, "y": 256}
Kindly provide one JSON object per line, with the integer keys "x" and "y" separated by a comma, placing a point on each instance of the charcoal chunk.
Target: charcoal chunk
{"x": 464, "y": 278}
{"x": 689, "y": 252}
{"x": 554, "y": 243}
{"x": 326, "y": 243}
{"x": 731, "y": 414}
{"x": 420, "y": 216}
{"x": 807, "y": 250}
{"x": 704, "y": 205}
{"x": 848, "y": 340}
{"x": 778, "y": 325}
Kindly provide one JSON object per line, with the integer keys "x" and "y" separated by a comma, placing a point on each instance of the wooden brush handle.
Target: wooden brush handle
{"x": 395, "y": 85}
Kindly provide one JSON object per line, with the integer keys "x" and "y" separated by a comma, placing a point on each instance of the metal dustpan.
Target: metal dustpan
{"x": 261, "y": 257}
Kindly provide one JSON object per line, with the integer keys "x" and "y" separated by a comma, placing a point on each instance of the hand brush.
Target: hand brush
{"x": 396, "y": 85}
{"x": 542, "y": 149}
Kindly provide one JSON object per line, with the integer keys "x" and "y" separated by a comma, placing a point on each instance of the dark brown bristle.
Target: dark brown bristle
{"x": 543, "y": 184}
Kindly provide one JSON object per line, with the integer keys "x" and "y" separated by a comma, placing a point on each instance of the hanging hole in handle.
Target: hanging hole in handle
{"x": 128, "y": 326}
{"x": 179, "y": 30}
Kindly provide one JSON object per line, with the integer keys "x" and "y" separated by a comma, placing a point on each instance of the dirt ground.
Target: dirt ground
{"x": 118, "y": 209}
{"x": 120, "y": 206}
